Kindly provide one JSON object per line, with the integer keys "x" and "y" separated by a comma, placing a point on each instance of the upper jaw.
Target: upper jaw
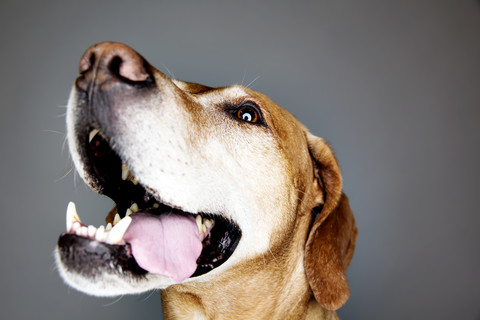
{"x": 108, "y": 174}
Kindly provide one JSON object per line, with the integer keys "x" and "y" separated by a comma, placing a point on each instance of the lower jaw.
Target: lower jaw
{"x": 87, "y": 256}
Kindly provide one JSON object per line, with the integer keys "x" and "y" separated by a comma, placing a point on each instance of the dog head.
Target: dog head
{"x": 204, "y": 180}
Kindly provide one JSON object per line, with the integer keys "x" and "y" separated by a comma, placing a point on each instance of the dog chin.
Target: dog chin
{"x": 109, "y": 283}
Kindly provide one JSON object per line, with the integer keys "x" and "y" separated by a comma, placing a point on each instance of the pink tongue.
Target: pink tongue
{"x": 168, "y": 244}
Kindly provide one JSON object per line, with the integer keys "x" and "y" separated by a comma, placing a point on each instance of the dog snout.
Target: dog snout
{"x": 112, "y": 60}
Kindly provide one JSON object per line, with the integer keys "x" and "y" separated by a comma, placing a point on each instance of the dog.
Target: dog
{"x": 223, "y": 199}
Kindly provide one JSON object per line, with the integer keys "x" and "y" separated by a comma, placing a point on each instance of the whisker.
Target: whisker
{"x": 171, "y": 74}
{"x": 250, "y": 85}
{"x": 301, "y": 191}
{"x": 54, "y": 131}
{"x": 149, "y": 295}
{"x": 273, "y": 255}
{"x": 64, "y": 144}
{"x": 65, "y": 175}
{"x": 76, "y": 175}
{"x": 300, "y": 299}
{"x": 113, "y": 302}
{"x": 243, "y": 77}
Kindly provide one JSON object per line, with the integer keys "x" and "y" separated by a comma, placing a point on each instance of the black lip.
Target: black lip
{"x": 84, "y": 256}
{"x": 104, "y": 167}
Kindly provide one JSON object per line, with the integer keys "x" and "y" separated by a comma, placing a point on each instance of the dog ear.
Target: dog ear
{"x": 331, "y": 240}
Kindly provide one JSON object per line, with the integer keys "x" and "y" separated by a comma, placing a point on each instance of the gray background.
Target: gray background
{"x": 393, "y": 85}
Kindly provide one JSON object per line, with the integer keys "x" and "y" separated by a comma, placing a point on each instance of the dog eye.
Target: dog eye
{"x": 248, "y": 113}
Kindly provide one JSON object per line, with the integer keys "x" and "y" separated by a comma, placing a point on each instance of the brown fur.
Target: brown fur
{"x": 274, "y": 286}
{"x": 302, "y": 273}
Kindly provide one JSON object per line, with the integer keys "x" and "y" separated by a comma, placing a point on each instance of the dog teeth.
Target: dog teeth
{"x": 208, "y": 223}
{"x": 133, "y": 180}
{"x": 116, "y": 219}
{"x": 100, "y": 234}
{"x": 91, "y": 231}
{"x": 127, "y": 174}
{"x": 83, "y": 231}
{"x": 134, "y": 208}
{"x": 115, "y": 235}
{"x": 198, "y": 220}
{"x": 109, "y": 234}
{"x": 72, "y": 216}
{"x": 92, "y": 134}
{"x": 203, "y": 225}
{"x": 75, "y": 227}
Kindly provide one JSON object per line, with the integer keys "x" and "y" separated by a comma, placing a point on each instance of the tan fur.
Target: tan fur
{"x": 301, "y": 274}
{"x": 280, "y": 284}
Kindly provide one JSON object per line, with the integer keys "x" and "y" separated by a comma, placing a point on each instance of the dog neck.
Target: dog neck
{"x": 273, "y": 286}
{"x": 242, "y": 299}
{"x": 257, "y": 297}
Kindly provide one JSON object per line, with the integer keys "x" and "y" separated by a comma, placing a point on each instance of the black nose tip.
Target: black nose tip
{"x": 117, "y": 59}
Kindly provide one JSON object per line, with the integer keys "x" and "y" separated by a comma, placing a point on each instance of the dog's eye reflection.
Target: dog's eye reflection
{"x": 248, "y": 114}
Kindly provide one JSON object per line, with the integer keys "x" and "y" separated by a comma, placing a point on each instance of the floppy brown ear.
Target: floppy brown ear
{"x": 331, "y": 240}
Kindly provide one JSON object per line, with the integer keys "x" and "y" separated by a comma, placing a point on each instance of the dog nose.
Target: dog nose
{"x": 114, "y": 59}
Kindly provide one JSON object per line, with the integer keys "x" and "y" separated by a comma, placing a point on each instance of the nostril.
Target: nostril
{"x": 115, "y": 59}
{"x": 132, "y": 68}
{"x": 128, "y": 68}
{"x": 114, "y": 65}
{"x": 87, "y": 61}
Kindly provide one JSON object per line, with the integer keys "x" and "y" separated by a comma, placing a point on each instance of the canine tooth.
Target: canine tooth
{"x": 134, "y": 208}
{"x": 108, "y": 227}
{"x": 198, "y": 220}
{"x": 72, "y": 215}
{"x": 91, "y": 231}
{"x": 204, "y": 228}
{"x": 125, "y": 172}
{"x": 115, "y": 235}
{"x": 92, "y": 134}
{"x": 116, "y": 219}
{"x": 128, "y": 212}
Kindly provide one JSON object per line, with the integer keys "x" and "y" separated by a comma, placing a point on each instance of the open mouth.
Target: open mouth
{"x": 142, "y": 234}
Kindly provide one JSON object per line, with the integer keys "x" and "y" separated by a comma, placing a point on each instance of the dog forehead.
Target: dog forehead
{"x": 289, "y": 132}
{"x": 278, "y": 116}
{"x": 234, "y": 93}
